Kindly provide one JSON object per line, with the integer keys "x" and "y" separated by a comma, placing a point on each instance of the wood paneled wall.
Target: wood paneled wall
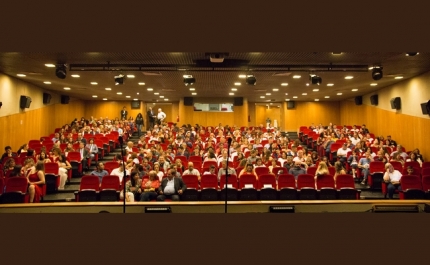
{"x": 19, "y": 128}
{"x": 262, "y": 113}
{"x": 306, "y": 113}
{"x": 409, "y": 131}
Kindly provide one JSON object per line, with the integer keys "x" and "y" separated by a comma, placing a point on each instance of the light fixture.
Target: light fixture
{"x": 189, "y": 80}
{"x": 94, "y": 96}
{"x": 251, "y": 80}
{"x": 108, "y": 88}
{"x": 315, "y": 90}
{"x": 76, "y": 76}
{"x": 411, "y": 53}
{"x": 315, "y": 80}
{"x": 47, "y": 82}
{"x": 377, "y": 73}
{"x": 330, "y": 84}
{"x": 94, "y": 83}
{"x": 119, "y": 79}
{"x": 398, "y": 77}
{"x": 49, "y": 65}
{"x": 327, "y": 97}
{"x": 355, "y": 89}
{"x": 349, "y": 77}
{"x": 234, "y": 89}
{"x": 104, "y": 98}
{"x": 339, "y": 94}
{"x": 231, "y": 94}
{"x": 60, "y": 71}
{"x": 284, "y": 84}
{"x": 130, "y": 76}
{"x": 275, "y": 89}
{"x": 237, "y": 84}
{"x": 297, "y": 76}
{"x": 373, "y": 84}
{"x": 192, "y": 89}
{"x": 149, "y": 89}
{"x": 67, "y": 88}
{"x": 141, "y": 84}
{"x": 21, "y": 75}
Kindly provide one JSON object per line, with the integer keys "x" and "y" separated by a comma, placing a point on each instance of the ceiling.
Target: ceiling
{"x": 163, "y": 72}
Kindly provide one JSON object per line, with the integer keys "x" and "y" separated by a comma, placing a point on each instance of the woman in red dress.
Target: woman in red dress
{"x": 35, "y": 180}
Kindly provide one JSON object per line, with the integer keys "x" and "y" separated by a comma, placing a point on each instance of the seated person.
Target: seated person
{"x": 119, "y": 171}
{"x": 149, "y": 187}
{"x": 171, "y": 187}
{"x": 100, "y": 171}
{"x": 297, "y": 169}
{"x": 191, "y": 171}
{"x": 223, "y": 170}
{"x": 392, "y": 177}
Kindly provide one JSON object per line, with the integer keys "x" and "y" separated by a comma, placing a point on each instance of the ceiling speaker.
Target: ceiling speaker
{"x": 65, "y": 99}
{"x": 24, "y": 102}
{"x": 291, "y": 104}
{"x": 46, "y": 98}
{"x": 358, "y": 100}
{"x": 188, "y": 101}
{"x": 238, "y": 101}
{"x": 374, "y": 100}
{"x": 396, "y": 103}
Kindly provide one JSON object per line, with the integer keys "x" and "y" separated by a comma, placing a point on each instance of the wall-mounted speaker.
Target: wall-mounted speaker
{"x": 65, "y": 99}
{"x": 359, "y": 100}
{"x": 291, "y": 104}
{"x": 374, "y": 100}
{"x": 135, "y": 104}
{"x": 24, "y": 102}
{"x": 238, "y": 101}
{"x": 396, "y": 103}
{"x": 46, "y": 98}
{"x": 425, "y": 107}
{"x": 188, "y": 101}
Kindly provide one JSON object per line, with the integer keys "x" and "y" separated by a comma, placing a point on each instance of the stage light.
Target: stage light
{"x": 315, "y": 80}
{"x": 119, "y": 80}
{"x": 60, "y": 71}
{"x": 411, "y": 53}
{"x": 251, "y": 80}
{"x": 189, "y": 80}
{"x": 377, "y": 73}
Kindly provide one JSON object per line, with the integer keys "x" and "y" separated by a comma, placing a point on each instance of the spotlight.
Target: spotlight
{"x": 377, "y": 73}
{"x": 315, "y": 80}
{"x": 251, "y": 80}
{"x": 189, "y": 80}
{"x": 411, "y": 53}
{"x": 119, "y": 80}
{"x": 60, "y": 71}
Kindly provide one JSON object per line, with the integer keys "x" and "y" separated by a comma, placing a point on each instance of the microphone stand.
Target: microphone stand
{"x": 121, "y": 141}
{"x": 226, "y": 174}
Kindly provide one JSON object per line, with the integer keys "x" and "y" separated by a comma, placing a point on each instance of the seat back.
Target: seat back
{"x": 325, "y": 181}
{"x": 19, "y": 184}
{"x": 110, "y": 182}
{"x": 191, "y": 181}
{"x": 74, "y": 156}
{"x": 311, "y": 171}
{"x": 183, "y": 159}
{"x": 345, "y": 181}
{"x": 232, "y": 179}
{"x": 90, "y": 183}
{"x": 51, "y": 168}
{"x": 332, "y": 170}
{"x": 248, "y": 179}
{"x": 417, "y": 171}
{"x": 425, "y": 164}
{"x": 209, "y": 181}
{"x": 411, "y": 182}
{"x": 376, "y": 167}
{"x": 397, "y": 165}
{"x": 262, "y": 170}
{"x": 207, "y": 164}
{"x": 266, "y": 179}
{"x": 2, "y": 182}
{"x": 305, "y": 181}
{"x": 425, "y": 171}
{"x": 414, "y": 164}
{"x": 279, "y": 170}
{"x": 111, "y": 165}
{"x": 286, "y": 181}
{"x": 425, "y": 182}
{"x": 195, "y": 159}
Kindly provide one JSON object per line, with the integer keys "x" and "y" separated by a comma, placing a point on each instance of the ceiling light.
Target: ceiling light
{"x": 355, "y": 89}
{"x": 135, "y": 99}
{"x": 21, "y": 75}
{"x": 194, "y": 94}
{"x": 231, "y": 94}
{"x": 161, "y": 96}
{"x": 287, "y": 99}
{"x": 327, "y": 97}
{"x": 137, "y": 93}
{"x": 47, "y": 82}
{"x": 315, "y": 80}
{"x": 304, "y": 94}
{"x": 297, "y": 76}
{"x": 130, "y": 76}
{"x": 398, "y": 77}
{"x": 411, "y": 53}
{"x": 315, "y": 90}
{"x": 189, "y": 81}
{"x": 119, "y": 93}
{"x": 295, "y": 97}
{"x": 127, "y": 96}
{"x": 49, "y": 65}
{"x": 284, "y": 84}
{"x": 108, "y": 88}
{"x": 307, "y": 84}
{"x": 275, "y": 89}
{"x": 104, "y": 98}
{"x": 141, "y": 84}
{"x": 317, "y": 99}
{"x": 166, "y": 99}
{"x": 237, "y": 84}
{"x": 330, "y": 84}
{"x": 94, "y": 83}
{"x": 67, "y": 88}
{"x": 156, "y": 93}
{"x": 149, "y": 89}
{"x": 339, "y": 94}
{"x": 94, "y": 96}
{"x": 373, "y": 84}
{"x": 192, "y": 89}
{"x": 268, "y": 94}
{"x": 60, "y": 71}
{"x": 119, "y": 79}
{"x": 242, "y": 76}
{"x": 377, "y": 73}
{"x": 75, "y": 76}
{"x": 251, "y": 80}
{"x": 234, "y": 89}
{"x": 349, "y": 77}
{"x": 286, "y": 94}
{"x": 262, "y": 97}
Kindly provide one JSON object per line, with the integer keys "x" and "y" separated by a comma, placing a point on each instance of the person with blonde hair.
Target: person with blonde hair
{"x": 321, "y": 170}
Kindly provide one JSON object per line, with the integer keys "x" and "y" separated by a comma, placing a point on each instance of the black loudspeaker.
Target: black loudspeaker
{"x": 46, "y": 98}
{"x": 396, "y": 103}
{"x": 24, "y": 102}
{"x": 425, "y": 107}
{"x": 291, "y": 104}
{"x": 188, "y": 101}
{"x": 135, "y": 104}
{"x": 358, "y": 100}
{"x": 238, "y": 102}
{"x": 65, "y": 99}
{"x": 374, "y": 100}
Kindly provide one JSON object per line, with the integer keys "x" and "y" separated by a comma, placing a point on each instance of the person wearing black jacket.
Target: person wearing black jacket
{"x": 171, "y": 187}
{"x": 124, "y": 113}
{"x": 139, "y": 123}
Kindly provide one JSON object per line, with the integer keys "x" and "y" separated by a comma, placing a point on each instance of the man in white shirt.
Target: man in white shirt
{"x": 191, "y": 170}
{"x": 119, "y": 171}
{"x": 392, "y": 177}
{"x": 343, "y": 152}
{"x": 161, "y": 116}
{"x": 223, "y": 170}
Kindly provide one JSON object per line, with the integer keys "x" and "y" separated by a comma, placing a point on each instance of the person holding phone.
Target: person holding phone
{"x": 392, "y": 177}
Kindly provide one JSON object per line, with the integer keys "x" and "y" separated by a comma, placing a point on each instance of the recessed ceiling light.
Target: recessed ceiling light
{"x": 327, "y": 97}
{"x": 297, "y": 76}
{"x": 242, "y": 76}
{"x": 262, "y": 97}
{"x": 75, "y": 76}
{"x": 286, "y": 94}
{"x": 330, "y": 84}
{"x": 339, "y": 94}
{"x": 275, "y": 89}
{"x": 156, "y": 93}
{"x": 237, "y": 84}
{"x": 137, "y": 93}
{"x": 268, "y": 94}
{"x": 315, "y": 90}
{"x": 108, "y": 88}
{"x": 67, "y": 88}
{"x": 304, "y": 94}
{"x": 295, "y": 97}
{"x": 234, "y": 89}
{"x": 284, "y": 84}
{"x": 135, "y": 99}
{"x": 104, "y": 98}
{"x": 127, "y": 96}
{"x": 355, "y": 89}
{"x": 166, "y": 99}
{"x": 21, "y": 75}
{"x": 231, "y": 94}
{"x": 192, "y": 89}
{"x": 119, "y": 93}
{"x": 287, "y": 99}
{"x": 374, "y": 84}
{"x": 130, "y": 76}
{"x": 187, "y": 76}
{"x": 349, "y": 77}
{"x": 307, "y": 84}
{"x": 149, "y": 89}
{"x": 194, "y": 93}
{"x": 94, "y": 96}
{"x": 47, "y": 82}
{"x": 49, "y": 65}
{"x": 94, "y": 83}
{"x": 141, "y": 84}
{"x": 161, "y": 96}
{"x": 398, "y": 77}
{"x": 317, "y": 99}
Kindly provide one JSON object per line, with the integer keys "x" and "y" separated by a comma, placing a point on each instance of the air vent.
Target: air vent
{"x": 151, "y": 73}
{"x": 282, "y": 74}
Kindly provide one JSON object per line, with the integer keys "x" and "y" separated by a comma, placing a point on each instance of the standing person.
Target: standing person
{"x": 151, "y": 118}
{"x": 139, "y": 123}
{"x": 124, "y": 113}
{"x": 161, "y": 116}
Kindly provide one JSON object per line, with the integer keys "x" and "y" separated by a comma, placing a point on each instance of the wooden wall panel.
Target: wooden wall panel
{"x": 410, "y": 131}
{"x": 262, "y": 113}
